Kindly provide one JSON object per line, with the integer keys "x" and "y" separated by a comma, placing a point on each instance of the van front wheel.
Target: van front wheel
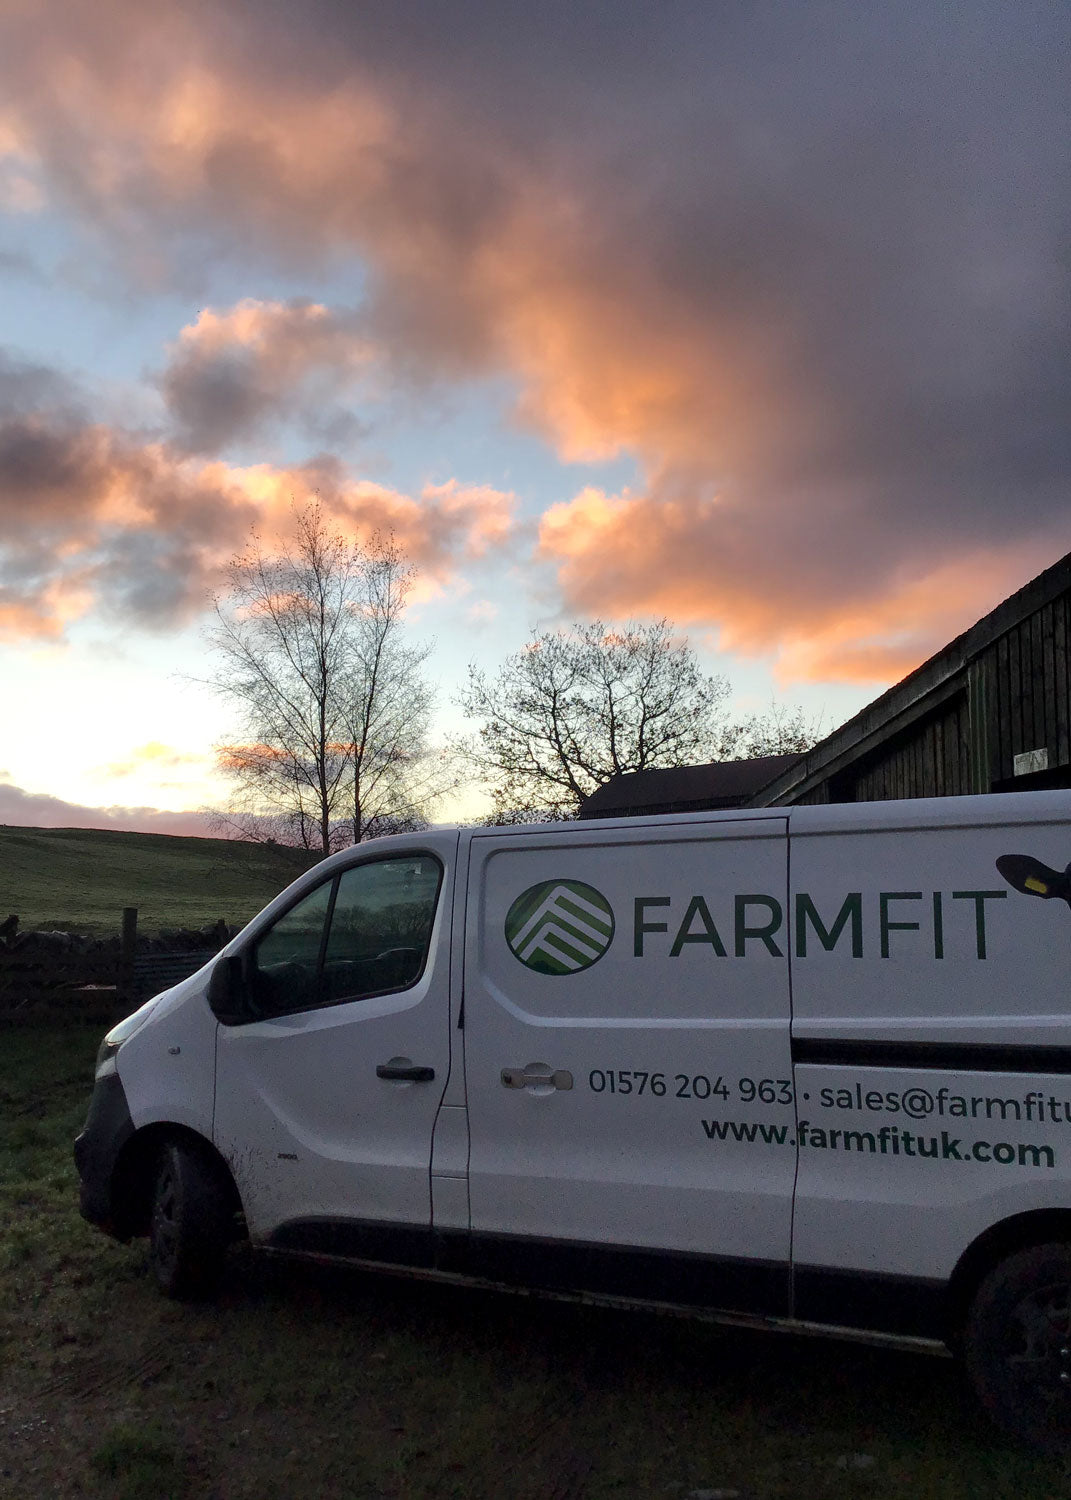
{"x": 1017, "y": 1346}
{"x": 188, "y": 1230}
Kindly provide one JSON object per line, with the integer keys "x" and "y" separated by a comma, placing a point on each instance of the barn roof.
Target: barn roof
{"x": 727, "y": 783}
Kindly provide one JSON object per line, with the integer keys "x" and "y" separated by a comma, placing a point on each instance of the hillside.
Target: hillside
{"x": 80, "y": 879}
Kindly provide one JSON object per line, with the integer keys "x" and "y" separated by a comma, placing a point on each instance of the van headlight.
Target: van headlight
{"x": 122, "y": 1033}
{"x": 107, "y": 1050}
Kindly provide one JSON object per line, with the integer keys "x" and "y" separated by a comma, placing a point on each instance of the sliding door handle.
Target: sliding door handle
{"x": 536, "y": 1075}
{"x": 405, "y": 1072}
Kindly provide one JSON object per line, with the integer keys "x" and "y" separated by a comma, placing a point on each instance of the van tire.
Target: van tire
{"x": 189, "y": 1226}
{"x": 1017, "y": 1346}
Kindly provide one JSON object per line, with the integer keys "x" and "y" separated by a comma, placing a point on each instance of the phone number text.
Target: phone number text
{"x": 633, "y": 1081}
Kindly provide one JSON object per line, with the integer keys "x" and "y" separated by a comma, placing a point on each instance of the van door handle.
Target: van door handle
{"x": 408, "y": 1072}
{"x": 522, "y": 1078}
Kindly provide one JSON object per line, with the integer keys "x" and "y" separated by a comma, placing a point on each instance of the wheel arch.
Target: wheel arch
{"x": 1020, "y": 1232}
{"x": 135, "y": 1169}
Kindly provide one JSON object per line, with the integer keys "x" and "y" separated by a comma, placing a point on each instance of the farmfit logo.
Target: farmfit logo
{"x": 559, "y": 927}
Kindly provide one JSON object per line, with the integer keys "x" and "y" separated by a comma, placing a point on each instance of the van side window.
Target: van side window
{"x": 380, "y": 927}
{"x": 286, "y": 960}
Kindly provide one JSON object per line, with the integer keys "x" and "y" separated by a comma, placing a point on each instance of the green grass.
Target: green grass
{"x": 140, "y": 1463}
{"x": 80, "y": 879}
{"x": 306, "y": 1382}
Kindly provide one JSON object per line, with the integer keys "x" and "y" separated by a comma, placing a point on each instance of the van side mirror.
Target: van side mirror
{"x": 1029, "y": 875}
{"x": 228, "y": 992}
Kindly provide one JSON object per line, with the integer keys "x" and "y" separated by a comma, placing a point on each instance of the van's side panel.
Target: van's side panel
{"x": 665, "y": 1014}
{"x": 931, "y": 1034}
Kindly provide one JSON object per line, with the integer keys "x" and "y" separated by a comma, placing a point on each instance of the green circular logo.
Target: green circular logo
{"x": 559, "y": 927}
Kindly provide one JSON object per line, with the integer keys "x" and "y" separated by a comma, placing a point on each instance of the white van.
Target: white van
{"x": 730, "y": 1061}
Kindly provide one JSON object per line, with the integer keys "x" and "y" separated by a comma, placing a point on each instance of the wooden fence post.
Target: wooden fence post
{"x": 127, "y": 944}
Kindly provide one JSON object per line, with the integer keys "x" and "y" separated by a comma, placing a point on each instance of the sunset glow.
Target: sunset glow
{"x": 749, "y": 321}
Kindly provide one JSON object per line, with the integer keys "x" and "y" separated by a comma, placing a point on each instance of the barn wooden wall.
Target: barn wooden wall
{"x": 1026, "y": 673}
{"x": 932, "y": 760}
{"x": 1013, "y": 697}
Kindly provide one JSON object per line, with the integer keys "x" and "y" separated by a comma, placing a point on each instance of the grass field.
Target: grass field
{"x": 80, "y": 879}
{"x": 305, "y": 1384}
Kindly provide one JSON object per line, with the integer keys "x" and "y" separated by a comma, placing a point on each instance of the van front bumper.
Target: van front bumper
{"x": 108, "y": 1127}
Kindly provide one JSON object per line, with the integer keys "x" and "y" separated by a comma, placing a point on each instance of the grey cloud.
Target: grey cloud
{"x": 858, "y": 211}
{"x": 26, "y": 387}
{"x": 253, "y": 367}
{"x": 212, "y": 406}
{"x": 60, "y": 534}
{"x": 22, "y": 809}
{"x": 92, "y": 516}
{"x": 18, "y": 263}
{"x": 835, "y": 234}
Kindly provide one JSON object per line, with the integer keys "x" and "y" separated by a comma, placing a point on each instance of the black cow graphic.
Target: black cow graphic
{"x": 1025, "y": 873}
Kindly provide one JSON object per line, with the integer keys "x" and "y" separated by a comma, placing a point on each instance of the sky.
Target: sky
{"x": 750, "y": 315}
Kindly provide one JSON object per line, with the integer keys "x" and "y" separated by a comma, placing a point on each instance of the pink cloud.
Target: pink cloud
{"x": 21, "y": 809}
{"x": 618, "y": 552}
{"x": 818, "y": 299}
{"x": 93, "y": 518}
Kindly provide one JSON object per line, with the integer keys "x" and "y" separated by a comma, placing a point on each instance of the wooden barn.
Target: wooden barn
{"x": 988, "y": 713}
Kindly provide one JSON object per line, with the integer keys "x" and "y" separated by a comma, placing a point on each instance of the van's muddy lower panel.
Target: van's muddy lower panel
{"x": 634, "y": 1272}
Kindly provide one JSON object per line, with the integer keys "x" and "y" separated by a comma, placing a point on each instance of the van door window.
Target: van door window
{"x": 380, "y": 927}
{"x": 286, "y": 960}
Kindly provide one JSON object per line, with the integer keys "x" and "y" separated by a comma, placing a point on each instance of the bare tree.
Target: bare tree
{"x": 393, "y": 775}
{"x": 575, "y": 707}
{"x": 780, "y": 730}
{"x": 332, "y": 703}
